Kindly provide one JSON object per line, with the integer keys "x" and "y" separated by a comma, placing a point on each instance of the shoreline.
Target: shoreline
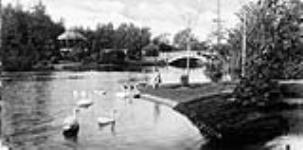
{"x": 80, "y": 66}
{"x": 211, "y": 109}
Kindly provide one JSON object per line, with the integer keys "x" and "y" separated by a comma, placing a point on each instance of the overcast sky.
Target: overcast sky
{"x": 162, "y": 16}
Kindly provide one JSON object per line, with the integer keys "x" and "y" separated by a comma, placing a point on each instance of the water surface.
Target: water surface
{"x": 35, "y": 105}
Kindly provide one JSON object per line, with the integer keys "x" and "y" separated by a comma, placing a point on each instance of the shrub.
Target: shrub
{"x": 214, "y": 70}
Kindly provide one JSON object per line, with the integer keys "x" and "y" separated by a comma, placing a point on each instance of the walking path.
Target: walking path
{"x": 156, "y": 99}
{"x": 171, "y": 95}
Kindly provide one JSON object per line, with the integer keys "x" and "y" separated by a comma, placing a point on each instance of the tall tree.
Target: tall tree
{"x": 180, "y": 39}
{"x": 131, "y": 38}
{"x": 273, "y": 46}
{"x": 28, "y": 37}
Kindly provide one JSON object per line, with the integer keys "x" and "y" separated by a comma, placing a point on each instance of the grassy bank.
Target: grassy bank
{"x": 211, "y": 108}
{"x": 176, "y": 92}
{"x": 228, "y": 122}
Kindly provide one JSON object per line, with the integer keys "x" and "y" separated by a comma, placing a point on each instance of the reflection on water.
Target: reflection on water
{"x": 172, "y": 75}
{"x": 294, "y": 138}
{"x": 35, "y": 106}
{"x": 157, "y": 112}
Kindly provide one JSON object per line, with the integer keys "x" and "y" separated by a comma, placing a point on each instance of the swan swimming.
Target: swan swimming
{"x": 85, "y": 103}
{"x": 135, "y": 92}
{"x": 130, "y": 91}
{"x": 79, "y": 94}
{"x": 99, "y": 92}
{"x": 126, "y": 92}
{"x": 102, "y": 121}
{"x": 71, "y": 125}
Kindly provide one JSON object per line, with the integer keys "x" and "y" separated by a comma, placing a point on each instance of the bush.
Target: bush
{"x": 214, "y": 70}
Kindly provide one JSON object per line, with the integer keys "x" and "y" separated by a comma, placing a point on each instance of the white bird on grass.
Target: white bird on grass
{"x": 71, "y": 125}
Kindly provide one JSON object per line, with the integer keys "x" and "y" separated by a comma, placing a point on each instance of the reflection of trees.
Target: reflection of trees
{"x": 27, "y": 119}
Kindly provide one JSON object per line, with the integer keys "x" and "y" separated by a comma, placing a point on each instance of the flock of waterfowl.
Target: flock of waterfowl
{"x": 71, "y": 124}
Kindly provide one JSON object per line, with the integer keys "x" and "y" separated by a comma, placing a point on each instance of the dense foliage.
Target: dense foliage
{"x": 273, "y": 47}
{"x": 214, "y": 70}
{"x": 29, "y": 37}
{"x": 184, "y": 37}
{"x": 219, "y": 64}
{"x": 273, "y": 50}
{"x": 126, "y": 36}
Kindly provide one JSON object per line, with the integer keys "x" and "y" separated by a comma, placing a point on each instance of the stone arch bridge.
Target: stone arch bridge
{"x": 170, "y": 57}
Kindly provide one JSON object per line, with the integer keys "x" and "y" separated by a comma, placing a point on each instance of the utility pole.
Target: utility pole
{"x": 188, "y": 47}
{"x": 1, "y": 28}
{"x": 218, "y": 21}
{"x": 1, "y": 25}
{"x": 191, "y": 21}
{"x": 1, "y": 92}
{"x": 244, "y": 46}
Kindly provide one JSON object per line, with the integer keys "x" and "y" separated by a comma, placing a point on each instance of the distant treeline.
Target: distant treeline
{"x": 28, "y": 37}
{"x": 126, "y": 36}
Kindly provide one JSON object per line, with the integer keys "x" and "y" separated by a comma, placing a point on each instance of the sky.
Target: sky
{"x": 162, "y": 16}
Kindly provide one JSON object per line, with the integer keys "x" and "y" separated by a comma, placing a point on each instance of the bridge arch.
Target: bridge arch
{"x": 200, "y": 58}
{"x": 179, "y": 58}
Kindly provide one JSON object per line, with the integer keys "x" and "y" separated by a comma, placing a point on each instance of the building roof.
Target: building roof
{"x": 71, "y": 35}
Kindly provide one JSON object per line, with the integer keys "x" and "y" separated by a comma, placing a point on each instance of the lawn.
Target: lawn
{"x": 178, "y": 93}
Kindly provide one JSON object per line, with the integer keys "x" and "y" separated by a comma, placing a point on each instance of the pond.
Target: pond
{"x": 35, "y": 105}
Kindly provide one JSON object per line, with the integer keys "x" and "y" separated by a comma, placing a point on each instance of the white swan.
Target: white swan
{"x": 99, "y": 92}
{"x": 71, "y": 125}
{"x": 79, "y": 94}
{"x": 126, "y": 92}
{"x": 85, "y": 103}
{"x": 83, "y": 94}
{"x": 102, "y": 121}
{"x": 76, "y": 94}
{"x": 135, "y": 92}
{"x": 123, "y": 94}
{"x": 130, "y": 91}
